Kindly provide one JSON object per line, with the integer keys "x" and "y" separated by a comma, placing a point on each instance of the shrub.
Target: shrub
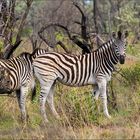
{"x": 131, "y": 75}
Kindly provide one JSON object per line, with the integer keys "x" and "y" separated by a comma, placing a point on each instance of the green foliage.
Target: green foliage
{"x": 6, "y": 121}
{"x": 133, "y": 48}
{"x": 26, "y": 32}
{"x": 79, "y": 106}
{"x": 59, "y": 36}
{"x": 77, "y": 110}
{"x": 132, "y": 75}
{"x": 21, "y": 5}
{"x": 1, "y": 45}
{"x": 128, "y": 15}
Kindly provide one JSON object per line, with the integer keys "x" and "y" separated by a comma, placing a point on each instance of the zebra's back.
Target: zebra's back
{"x": 69, "y": 70}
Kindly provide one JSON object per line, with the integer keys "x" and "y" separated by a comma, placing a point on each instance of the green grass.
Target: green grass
{"x": 81, "y": 116}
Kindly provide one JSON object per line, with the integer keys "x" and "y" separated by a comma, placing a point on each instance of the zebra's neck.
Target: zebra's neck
{"x": 107, "y": 57}
{"x": 108, "y": 53}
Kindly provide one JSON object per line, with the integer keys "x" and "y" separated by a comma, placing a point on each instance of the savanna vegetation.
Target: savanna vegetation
{"x": 69, "y": 26}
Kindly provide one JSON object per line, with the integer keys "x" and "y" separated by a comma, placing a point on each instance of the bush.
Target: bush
{"x": 77, "y": 106}
{"x": 131, "y": 75}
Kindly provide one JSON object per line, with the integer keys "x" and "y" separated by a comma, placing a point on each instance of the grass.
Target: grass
{"x": 81, "y": 116}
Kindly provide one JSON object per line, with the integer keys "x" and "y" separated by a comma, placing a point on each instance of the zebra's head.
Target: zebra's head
{"x": 5, "y": 82}
{"x": 120, "y": 45}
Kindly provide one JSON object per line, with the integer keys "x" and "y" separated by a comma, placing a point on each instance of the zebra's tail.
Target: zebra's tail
{"x": 33, "y": 93}
{"x": 33, "y": 88}
{"x": 36, "y": 53}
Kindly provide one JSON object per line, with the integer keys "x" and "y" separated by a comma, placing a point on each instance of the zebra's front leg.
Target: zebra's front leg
{"x": 102, "y": 89}
{"x": 21, "y": 96}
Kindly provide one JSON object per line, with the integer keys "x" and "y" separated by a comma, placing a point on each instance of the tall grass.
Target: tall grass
{"x": 81, "y": 116}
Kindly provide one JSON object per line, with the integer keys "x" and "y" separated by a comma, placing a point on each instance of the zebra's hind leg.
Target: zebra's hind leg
{"x": 50, "y": 100}
{"x": 102, "y": 88}
{"x": 45, "y": 89}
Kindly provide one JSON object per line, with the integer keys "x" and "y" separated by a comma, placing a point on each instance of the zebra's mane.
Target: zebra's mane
{"x": 25, "y": 54}
{"x": 104, "y": 45}
{"x": 39, "y": 51}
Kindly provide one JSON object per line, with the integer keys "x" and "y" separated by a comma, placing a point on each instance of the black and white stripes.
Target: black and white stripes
{"x": 16, "y": 74}
{"x": 92, "y": 68}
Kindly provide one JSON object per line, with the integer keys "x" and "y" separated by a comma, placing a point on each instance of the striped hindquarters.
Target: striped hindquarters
{"x": 20, "y": 70}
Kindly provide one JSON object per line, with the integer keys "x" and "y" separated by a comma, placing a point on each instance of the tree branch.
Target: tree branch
{"x": 22, "y": 22}
{"x": 95, "y": 18}
{"x": 83, "y": 22}
{"x": 63, "y": 46}
{"x": 8, "y": 51}
{"x": 82, "y": 45}
{"x": 54, "y": 24}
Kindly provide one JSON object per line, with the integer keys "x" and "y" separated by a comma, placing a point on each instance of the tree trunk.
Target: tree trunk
{"x": 95, "y": 20}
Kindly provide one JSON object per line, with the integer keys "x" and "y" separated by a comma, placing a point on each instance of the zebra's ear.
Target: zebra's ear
{"x": 113, "y": 34}
{"x": 119, "y": 34}
{"x": 126, "y": 34}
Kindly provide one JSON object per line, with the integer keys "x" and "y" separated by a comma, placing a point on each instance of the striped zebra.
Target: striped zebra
{"x": 16, "y": 74}
{"x": 93, "y": 68}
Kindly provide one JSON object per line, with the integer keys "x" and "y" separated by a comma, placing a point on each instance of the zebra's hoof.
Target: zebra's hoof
{"x": 46, "y": 121}
{"x": 108, "y": 116}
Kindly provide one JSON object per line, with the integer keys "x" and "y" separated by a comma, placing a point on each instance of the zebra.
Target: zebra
{"x": 93, "y": 68}
{"x": 16, "y": 74}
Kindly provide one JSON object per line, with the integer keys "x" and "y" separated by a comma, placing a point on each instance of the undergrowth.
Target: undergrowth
{"x": 81, "y": 116}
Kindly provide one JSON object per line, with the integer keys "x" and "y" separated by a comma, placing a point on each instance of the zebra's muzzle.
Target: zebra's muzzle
{"x": 122, "y": 59}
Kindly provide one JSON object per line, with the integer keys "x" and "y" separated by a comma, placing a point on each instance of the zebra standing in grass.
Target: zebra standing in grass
{"x": 93, "y": 68}
{"x": 16, "y": 74}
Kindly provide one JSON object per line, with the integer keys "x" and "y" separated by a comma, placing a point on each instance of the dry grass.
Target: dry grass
{"x": 116, "y": 128}
{"x": 125, "y": 123}
{"x": 81, "y": 118}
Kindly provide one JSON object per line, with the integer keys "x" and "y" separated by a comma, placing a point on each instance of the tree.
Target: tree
{"x": 13, "y": 25}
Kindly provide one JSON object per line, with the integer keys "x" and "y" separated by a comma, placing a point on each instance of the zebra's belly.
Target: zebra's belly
{"x": 90, "y": 81}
